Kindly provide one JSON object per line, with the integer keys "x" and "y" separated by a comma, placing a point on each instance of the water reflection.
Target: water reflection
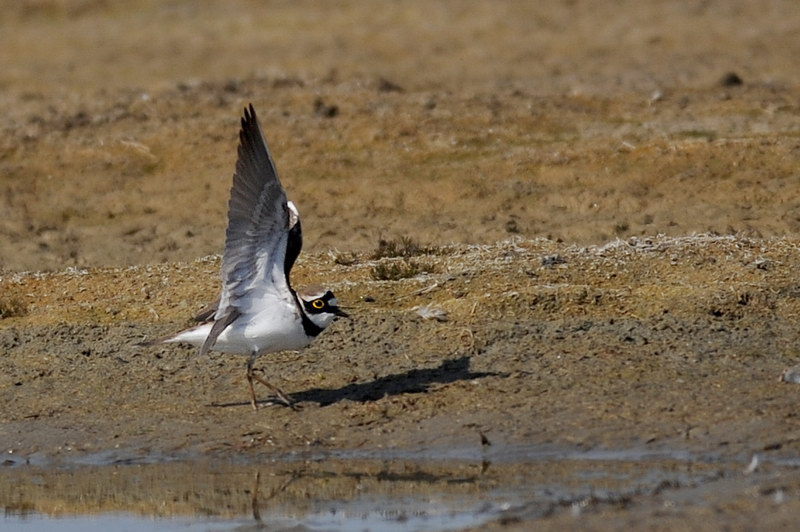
{"x": 323, "y": 494}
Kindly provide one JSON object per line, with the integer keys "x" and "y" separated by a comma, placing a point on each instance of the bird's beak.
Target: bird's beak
{"x": 340, "y": 312}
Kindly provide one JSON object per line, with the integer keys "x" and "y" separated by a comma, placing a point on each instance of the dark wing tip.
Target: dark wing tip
{"x": 207, "y": 312}
{"x": 217, "y": 328}
{"x": 249, "y": 115}
{"x": 249, "y": 118}
{"x": 250, "y": 134}
{"x": 249, "y": 122}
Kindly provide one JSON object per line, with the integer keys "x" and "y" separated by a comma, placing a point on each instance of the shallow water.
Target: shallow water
{"x": 386, "y": 491}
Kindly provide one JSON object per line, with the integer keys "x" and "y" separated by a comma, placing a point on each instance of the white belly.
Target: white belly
{"x": 264, "y": 332}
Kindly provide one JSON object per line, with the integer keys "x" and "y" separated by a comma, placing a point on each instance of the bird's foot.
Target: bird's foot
{"x": 280, "y": 397}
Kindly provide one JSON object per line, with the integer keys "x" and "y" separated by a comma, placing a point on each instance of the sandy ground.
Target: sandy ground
{"x": 535, "y": 152}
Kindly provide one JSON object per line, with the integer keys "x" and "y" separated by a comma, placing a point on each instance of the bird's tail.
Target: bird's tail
{"x": 154, "y": 341}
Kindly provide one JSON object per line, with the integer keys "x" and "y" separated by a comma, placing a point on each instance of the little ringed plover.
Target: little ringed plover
{"x": 258, "y": 311}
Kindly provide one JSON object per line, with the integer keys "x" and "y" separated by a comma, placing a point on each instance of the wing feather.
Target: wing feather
{"x": 258, "y": 229}
{"x": 216, "y": 330}
{"x": 208, "y": 312}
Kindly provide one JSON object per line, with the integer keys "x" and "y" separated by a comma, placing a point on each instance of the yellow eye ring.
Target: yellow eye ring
{"x": 318, "y": 304}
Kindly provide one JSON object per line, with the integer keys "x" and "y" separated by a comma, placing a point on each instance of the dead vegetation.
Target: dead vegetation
{"x": 11, "y": 307}
{"x": 392, "y": 142}
{"x": 404, "y": 246}
{"x": 345, "y": 258}
{"x": 402, "y": 269}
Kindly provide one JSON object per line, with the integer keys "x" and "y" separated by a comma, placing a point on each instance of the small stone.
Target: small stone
{"x": 548, "y": 261}
{"x": 384, "y": 85}
{"x": 429, "y": 312}
{"x": 752, "y": 467}
{"x": 731, "y": 79}
{"x": 791, "y": 375}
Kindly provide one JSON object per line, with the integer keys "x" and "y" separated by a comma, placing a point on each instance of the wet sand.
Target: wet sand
{"x": 606, "y": 223}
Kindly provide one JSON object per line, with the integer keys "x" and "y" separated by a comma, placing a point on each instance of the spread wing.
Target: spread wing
{"x": 254, "y": 265}
{"x": 293, "y": 247}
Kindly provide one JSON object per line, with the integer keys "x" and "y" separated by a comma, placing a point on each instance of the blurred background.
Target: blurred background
{"x": 455, "y": 121}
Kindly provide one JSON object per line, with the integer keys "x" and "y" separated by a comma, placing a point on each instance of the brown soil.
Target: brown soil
{"x": 461, "y": 125}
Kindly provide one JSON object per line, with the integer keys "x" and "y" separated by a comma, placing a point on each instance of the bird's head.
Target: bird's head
{"x": 320, "y": 305}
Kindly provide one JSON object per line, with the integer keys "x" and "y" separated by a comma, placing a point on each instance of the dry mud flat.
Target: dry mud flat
{"x": 657, "y": 349}
{"x": 459, "y": 122}
{"x": 597, "y": 387}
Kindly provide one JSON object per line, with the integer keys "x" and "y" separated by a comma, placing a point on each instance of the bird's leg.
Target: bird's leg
{"x": 251, "y": 374}
{"x": 277, "y": 391}
{"x": 250, "y": 379}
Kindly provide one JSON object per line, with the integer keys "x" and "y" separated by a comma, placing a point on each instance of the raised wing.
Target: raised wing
{"x": 255, "y": 255}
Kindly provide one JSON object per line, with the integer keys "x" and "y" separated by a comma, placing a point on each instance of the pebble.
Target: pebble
{"x": 430, "y": 312}
{"x": 791, "y": 375}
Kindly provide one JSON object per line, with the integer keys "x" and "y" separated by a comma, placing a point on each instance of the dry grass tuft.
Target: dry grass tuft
{"x": 345, "y": 258}
{"x": 11, "y": 307}
{"x": 404, "y": 246}
{"x": 394, "y": 271}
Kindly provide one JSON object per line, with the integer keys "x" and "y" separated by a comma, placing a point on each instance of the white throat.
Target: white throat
{"x": 321, "y": 319}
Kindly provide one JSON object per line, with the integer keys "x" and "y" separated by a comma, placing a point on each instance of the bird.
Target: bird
{"x": 258, "y": 311}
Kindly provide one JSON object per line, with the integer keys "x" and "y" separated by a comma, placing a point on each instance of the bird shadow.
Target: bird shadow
{"x": 409, "y": 382}
{"x": 413, "y": 381}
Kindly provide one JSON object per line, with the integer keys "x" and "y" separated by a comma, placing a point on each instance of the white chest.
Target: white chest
{"x": 276, "y": 331}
